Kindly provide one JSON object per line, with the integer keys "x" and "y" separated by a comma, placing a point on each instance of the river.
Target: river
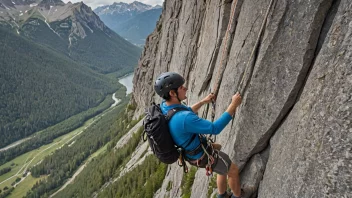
{"x": 127, "y": 82}
{"x": 14, "y": 144}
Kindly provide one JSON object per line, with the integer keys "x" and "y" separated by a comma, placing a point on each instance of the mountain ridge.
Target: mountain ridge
{"x": 75, "y": 30}
{"x": 134, "y": 21}
{"x": 121, "y": 7}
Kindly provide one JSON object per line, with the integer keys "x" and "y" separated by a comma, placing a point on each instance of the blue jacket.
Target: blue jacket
{"x": 186, "y": 123}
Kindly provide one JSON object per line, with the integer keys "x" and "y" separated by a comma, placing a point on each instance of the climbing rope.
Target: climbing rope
{"x": 222, "y": 66}
{"x": 221, "y": 69}
{"x": 225, "y": 49}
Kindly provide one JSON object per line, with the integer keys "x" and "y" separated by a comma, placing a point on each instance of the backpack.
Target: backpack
{"x": 158, "y": 134}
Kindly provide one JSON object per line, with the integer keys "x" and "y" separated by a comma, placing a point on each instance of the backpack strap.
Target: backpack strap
{"x": 191, "y": 140}
{"x": 173, "y": 111}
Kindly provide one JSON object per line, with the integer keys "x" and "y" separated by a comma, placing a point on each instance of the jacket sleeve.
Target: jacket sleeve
{"x": 195, "y": 124}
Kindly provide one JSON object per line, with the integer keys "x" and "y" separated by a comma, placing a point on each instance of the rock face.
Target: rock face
{"x": 292, "y": 135}
{"x": 314, "y": 142}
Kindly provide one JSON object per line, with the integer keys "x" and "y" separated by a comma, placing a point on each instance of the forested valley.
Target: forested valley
{"x": 56, "y": 112}
{"x": 64, "y": 162}
{"x": 40, "y": 87}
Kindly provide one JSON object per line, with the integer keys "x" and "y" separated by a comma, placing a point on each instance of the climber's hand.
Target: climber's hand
{"x": 236, "y": 99}
{"x": 208, "y": 99}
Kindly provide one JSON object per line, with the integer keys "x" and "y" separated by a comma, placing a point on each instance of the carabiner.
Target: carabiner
{"x": 208, "y": 170}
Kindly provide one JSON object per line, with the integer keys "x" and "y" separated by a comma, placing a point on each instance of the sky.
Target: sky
{"x": 96, "y": 3}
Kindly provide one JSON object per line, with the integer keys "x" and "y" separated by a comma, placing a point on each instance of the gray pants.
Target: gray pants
{"x": 220, "y": 166}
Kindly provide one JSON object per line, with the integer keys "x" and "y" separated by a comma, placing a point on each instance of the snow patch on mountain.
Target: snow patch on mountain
{"x": 121, "y": 7}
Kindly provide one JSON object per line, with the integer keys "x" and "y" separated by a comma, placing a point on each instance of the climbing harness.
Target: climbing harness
{"x": 207, "y": 159}
{"x": 181, "y": 161}
{"x": 211, "y": 160}
{"x": 221, "y": 69}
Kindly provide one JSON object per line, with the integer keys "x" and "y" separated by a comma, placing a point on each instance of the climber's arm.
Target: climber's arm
{"x": 199, "y": 104}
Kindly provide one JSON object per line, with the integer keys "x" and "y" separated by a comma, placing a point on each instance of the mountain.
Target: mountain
{"x": 124, "y": 9}
{"x": 157, "y": 7}
{"x": 134, "y": 21}
{"x": 139, "y": 27}
{"x": 53, "y": 58}
{"x": 73, "y": 29}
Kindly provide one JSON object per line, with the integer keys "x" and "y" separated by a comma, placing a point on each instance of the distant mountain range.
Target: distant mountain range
{"x": 53, "y": 58}
{"x": 134, "y": 21}
{"x": 125, "y": 8}
{"x": 73, "y": 29}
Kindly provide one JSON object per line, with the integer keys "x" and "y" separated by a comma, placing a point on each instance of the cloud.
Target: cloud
{"x": 96, "y": 3}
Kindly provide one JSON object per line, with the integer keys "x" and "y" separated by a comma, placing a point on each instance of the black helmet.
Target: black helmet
{"x": 167, "y": 82}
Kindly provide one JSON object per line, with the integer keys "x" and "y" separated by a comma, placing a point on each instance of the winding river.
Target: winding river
{"x": 126, "y": 81}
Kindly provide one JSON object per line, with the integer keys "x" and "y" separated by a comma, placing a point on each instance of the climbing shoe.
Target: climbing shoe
{"x": 226, "y": 195}
{"x": 233, "y": 196}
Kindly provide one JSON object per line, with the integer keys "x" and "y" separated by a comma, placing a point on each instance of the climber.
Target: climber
{"x": 184, "y": 124}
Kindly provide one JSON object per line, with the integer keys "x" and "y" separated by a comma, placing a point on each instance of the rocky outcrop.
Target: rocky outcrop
{"x": 128, "y": 136}
{"x": 51, "y": 3}
{"x": 12, "y": 3}
{"x": 291, "y": 136}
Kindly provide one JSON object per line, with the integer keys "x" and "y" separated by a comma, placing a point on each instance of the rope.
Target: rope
{"x": 248, "y": 63}
{"x": 222, "y": 64}
{"x": 225, "y": 49}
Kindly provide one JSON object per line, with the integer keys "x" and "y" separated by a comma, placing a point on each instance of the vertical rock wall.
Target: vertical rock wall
{"x": 310, "y": 153}
{"x": 291, "y": 136}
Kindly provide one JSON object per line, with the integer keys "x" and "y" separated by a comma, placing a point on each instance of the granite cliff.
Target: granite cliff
{"x": 292, "y": 135}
